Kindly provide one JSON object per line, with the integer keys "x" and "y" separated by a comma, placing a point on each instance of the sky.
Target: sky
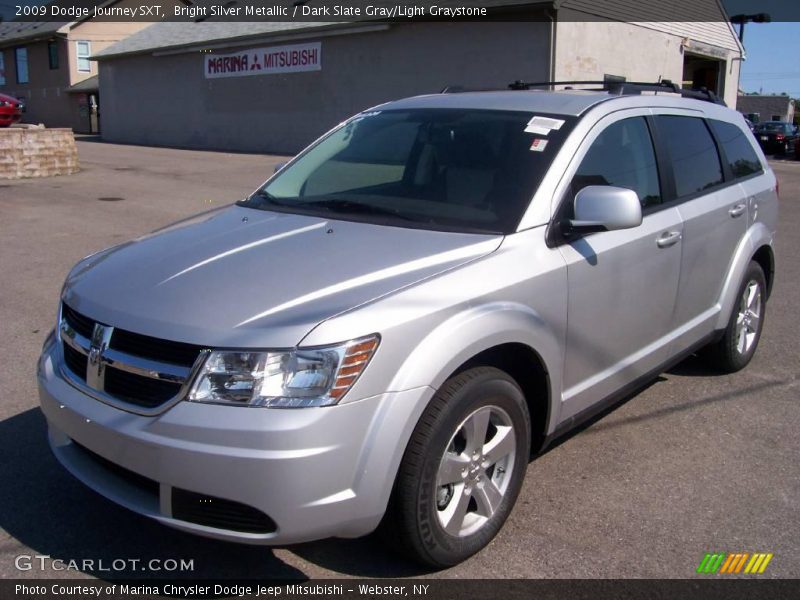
{"x": 773, "y": 58}
{"x": 773, "y": 49}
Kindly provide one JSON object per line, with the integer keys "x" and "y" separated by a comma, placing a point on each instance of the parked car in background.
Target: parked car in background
{"x": 750, "y": 125}
{"x": 10, "y": 110}
{"x": 776, "y": 137}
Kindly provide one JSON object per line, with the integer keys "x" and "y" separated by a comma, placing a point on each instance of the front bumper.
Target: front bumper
{"x": 315, "y": 472}
{"x": 9, "y": 118}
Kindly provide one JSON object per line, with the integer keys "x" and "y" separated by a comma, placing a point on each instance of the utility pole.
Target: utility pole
{"x": 754, "y": 18}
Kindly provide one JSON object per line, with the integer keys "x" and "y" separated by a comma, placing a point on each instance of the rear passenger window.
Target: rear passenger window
{"x": 739, "y": 152}
{"x": 622, "y": 156}
{"x": 695, "y": 160}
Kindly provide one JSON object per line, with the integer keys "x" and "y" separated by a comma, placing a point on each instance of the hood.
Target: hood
{"x": 13, "y": 101}
{"x": 240, "y": 277}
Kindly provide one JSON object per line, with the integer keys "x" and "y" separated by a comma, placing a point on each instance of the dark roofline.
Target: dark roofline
{"x": 73, "y": 24}
{"x": 35, "y": 36}
{"x": 38, "y": 35}
{"x": 230, "y": 42}
{"x": 90, "y": 84}
{"x": 214, "y": 42}
{"x": 780, "y": 96}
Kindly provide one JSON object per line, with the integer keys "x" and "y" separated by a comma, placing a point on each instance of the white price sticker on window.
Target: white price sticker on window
{"x": 543, "y": 125}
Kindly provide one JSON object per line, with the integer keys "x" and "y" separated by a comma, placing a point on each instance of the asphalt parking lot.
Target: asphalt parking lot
{"x": 694, "y": 463}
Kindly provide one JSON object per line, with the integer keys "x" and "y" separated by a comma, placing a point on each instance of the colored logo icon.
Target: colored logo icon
{"x": 724, "y": 563}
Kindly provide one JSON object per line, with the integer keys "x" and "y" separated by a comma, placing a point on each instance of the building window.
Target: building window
{"x": 21, "y": 60}
{"x": 2, "y": 68}
{"x": 84, "y": 51}
{"x": 52, "y": 54}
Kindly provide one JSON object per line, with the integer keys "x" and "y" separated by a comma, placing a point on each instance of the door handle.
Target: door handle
{"x": 738, "y": 210}
{"x": 668, "y": 238}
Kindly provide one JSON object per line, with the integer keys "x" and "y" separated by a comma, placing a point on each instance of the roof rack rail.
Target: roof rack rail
{"x": 625, "y": 88}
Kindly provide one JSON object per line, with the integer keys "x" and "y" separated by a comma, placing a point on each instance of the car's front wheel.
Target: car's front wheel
{"x": 463, "y": 468}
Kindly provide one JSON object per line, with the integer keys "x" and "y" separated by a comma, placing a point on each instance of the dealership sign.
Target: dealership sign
{"x": 265, "y": 61}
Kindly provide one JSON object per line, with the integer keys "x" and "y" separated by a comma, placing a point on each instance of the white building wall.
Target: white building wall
{"x": 588, "y": 48}
{"x": 705, "y": 19}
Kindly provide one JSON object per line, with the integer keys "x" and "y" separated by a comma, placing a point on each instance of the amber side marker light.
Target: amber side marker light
{"x": 356, "y": 358}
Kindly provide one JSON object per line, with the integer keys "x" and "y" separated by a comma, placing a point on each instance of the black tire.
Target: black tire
{"x": 730, "y": 354}
{"x": 418, "y": 503}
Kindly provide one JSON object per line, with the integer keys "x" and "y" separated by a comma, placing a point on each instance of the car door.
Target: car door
{"x": 713, "y": 208}
{"x": 622, "y": 284}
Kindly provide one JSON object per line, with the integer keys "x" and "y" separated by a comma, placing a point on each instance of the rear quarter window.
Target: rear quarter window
{"x": 739, "y": 152}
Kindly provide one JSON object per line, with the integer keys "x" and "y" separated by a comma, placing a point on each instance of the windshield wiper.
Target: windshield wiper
{"x": 264, "y": 196}
{"x": 347, "y": 205}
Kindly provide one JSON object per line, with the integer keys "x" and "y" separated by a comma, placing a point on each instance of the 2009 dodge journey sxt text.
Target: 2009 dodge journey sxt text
{"x": 390, "y": 325}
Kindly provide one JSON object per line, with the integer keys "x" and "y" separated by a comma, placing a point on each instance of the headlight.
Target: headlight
{"x": 283, "y": 379}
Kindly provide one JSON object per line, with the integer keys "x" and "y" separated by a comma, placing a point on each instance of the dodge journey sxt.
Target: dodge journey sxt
{"x": 389, "y": 328}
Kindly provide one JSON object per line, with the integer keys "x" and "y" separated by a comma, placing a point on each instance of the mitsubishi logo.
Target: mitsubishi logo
{"x": 95, "y": 365}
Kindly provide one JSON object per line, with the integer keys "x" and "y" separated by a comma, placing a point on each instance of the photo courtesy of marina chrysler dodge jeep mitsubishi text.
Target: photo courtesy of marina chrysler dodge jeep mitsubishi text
{"x": 386, "y": 330}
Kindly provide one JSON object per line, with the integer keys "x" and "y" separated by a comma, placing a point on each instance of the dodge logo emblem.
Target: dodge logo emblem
{"x": 95, "y": 365}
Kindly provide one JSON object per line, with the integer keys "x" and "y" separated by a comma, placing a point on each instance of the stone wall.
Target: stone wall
{"x": 37, "y": 152}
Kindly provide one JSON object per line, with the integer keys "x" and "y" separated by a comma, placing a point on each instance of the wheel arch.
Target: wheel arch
{"x": 755, "y": 245}
{"x": 765, "y": 257}
{"x": 523, "y": 364}
{"x": 509, "y": 336}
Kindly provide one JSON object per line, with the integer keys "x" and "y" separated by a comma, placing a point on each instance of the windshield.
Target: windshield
{"x": 444, "y": 169}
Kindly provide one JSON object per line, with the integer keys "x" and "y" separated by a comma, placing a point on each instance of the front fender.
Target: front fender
{"x": 480, "y": 328}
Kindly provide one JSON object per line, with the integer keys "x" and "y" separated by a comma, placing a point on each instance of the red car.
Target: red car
{"x": 10, "y": 110}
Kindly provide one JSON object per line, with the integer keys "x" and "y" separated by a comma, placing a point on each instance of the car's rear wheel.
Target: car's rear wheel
{"x": 739, "y": 342}
{"x": 462, "y": 470}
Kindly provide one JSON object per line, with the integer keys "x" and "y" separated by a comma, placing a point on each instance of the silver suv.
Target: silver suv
{"x": 387, "y": 330}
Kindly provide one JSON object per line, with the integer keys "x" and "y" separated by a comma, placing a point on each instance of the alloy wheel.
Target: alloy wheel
{"x": 747, "y": 320}
{"x": 475, "y": 471}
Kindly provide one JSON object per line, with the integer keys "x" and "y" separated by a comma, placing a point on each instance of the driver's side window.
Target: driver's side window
{"x": 622, "y": 156}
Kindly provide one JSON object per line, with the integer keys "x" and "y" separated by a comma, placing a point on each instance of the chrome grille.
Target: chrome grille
{"x": 142, "y": 391}
{"x": 129, "y": 370}
{"x": 77, "y": 321}
{"x": 149, "y": 347}
{"x": 76, "y": 361}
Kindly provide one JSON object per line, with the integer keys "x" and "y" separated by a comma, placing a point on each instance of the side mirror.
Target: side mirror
{"x": 605, "y": 208}
{"x": 280, "y": 165}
